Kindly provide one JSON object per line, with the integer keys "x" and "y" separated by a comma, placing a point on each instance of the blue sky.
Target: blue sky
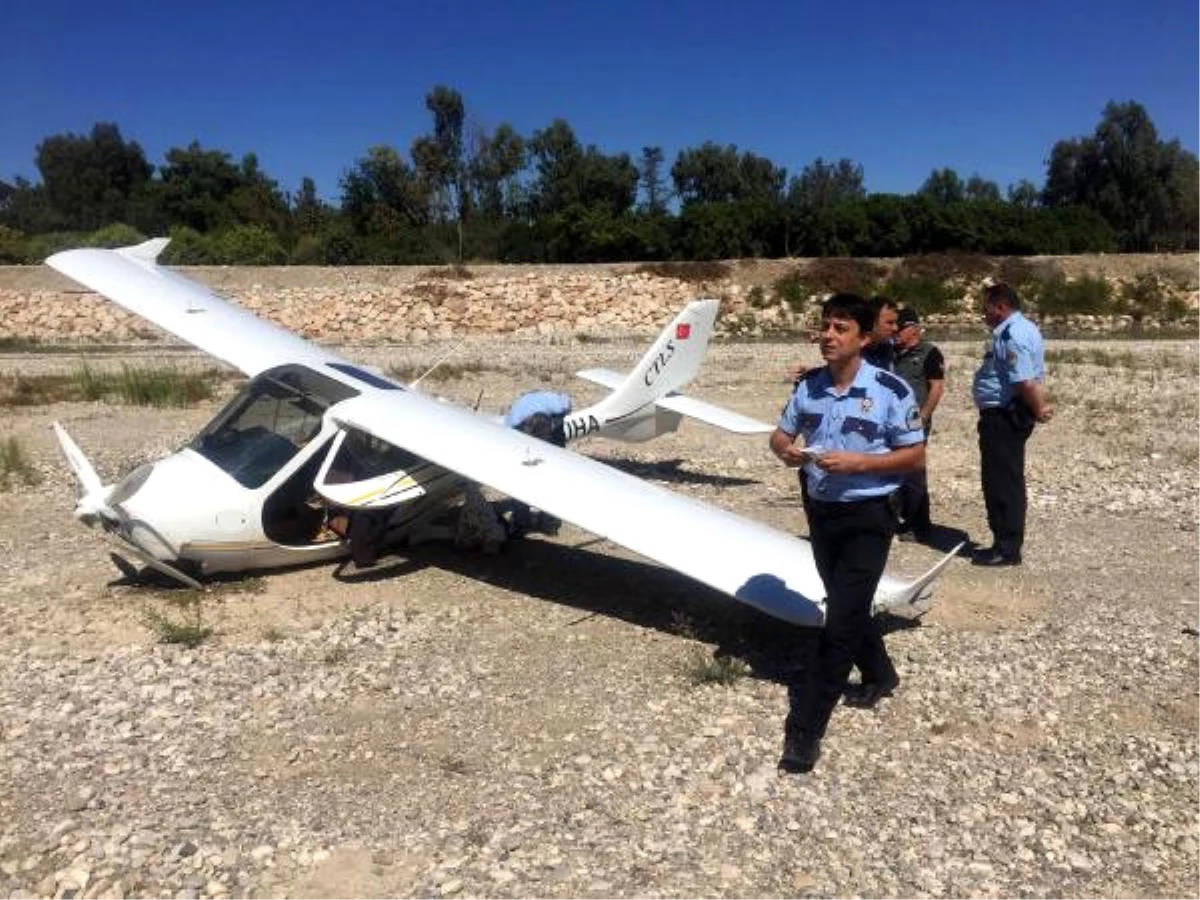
{"x": 899, "y": 88}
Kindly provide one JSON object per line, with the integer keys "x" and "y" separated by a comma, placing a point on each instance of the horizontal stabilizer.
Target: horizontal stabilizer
{"x": 603, "y": 377}
{"x": 687, "y": 406}
{"x": 713, "y": 414}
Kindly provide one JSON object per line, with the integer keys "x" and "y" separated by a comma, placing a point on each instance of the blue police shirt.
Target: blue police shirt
{"x": 547, "y": 403}
{"x": 877, "y": 414}
{"x": 1016, "y": 354}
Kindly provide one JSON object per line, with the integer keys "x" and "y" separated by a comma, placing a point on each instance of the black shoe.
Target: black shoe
{"x": 992, "y": 557}
{"x": 800, "y": 754}
{"x": 867, "y": 694}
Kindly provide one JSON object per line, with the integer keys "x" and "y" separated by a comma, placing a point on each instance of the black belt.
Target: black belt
{"x": 882, "y": 498}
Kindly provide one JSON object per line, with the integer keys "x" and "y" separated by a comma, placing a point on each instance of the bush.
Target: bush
{"x": 790, "y": 289}
{"x": 13, "y": 247}
{"x": 249, "y": 245}
{"x": 117, "y": 234}
{"x": 843, "y": 276}
{"x": 945, "y": 266}
{"x": 927, "y": 294}
{"x": 1055, "y": 296}
{"x": 1144, "y": 296}
{"x": 188, "y": 247}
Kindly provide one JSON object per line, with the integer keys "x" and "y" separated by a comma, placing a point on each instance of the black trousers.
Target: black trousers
{"x": 850, "y": 545}
{"x": 1002, "y": 438}
{"x": 913, "y": 496}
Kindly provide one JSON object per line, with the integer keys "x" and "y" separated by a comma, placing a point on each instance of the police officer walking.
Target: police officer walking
{"x": 1011, "y": 397}
{"x": 861, "y": 431}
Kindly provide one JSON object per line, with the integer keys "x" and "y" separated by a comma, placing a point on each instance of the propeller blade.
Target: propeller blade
{"x": 88, "y": 479}
{"x": 127, "y": 546}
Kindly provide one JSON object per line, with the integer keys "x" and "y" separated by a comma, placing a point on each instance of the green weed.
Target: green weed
{"x": 15, "y": 467}
{"x": 189, "y": 630}
{"x": 716, "y": 668}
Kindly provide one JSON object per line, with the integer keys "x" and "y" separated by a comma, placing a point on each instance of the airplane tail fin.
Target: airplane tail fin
{"x": 671, "y": 362}
{"x": 645, "y": 403}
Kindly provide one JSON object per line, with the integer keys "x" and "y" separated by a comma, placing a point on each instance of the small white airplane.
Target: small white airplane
{"x": 311, "y": 431}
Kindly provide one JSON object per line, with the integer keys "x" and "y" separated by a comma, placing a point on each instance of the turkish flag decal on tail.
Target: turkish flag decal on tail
{"x": 683, "y": 332}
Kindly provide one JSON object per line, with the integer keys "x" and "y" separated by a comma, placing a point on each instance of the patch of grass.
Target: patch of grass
{"x": 132, "y": 386}
{"x": 161, "y": 387}
{"x": 15, "y": 467}
{"x": 447, "y": 371}
{"x": 1095, "y": 356}
{"x": 691, "y": 272}
{"x": 717, "y": 668}
{"x": 188, "y": 630}
{"x": 13, "y": 344}
{"x": 336, "y": 655}
{"x": 273, "y": 634}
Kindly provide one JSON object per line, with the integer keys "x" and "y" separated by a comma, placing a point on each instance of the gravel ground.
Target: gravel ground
{"x": 532, "y": 724}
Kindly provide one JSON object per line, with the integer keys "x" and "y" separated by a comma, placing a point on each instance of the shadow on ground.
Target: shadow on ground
{"x": 671, "y": 471}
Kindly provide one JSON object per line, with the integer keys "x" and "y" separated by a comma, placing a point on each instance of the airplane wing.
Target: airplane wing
{"x": 747, "y": 560}
{"x": 130, "y": 278}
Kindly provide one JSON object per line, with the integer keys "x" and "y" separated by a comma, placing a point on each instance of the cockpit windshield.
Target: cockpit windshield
{"x": 266, "y": 424}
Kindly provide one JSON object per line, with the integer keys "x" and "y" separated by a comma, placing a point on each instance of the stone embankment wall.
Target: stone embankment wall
{"x": 415, "y": 303}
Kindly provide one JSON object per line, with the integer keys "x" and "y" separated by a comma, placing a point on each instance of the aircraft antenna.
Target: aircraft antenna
{"x": 445, "y": 356}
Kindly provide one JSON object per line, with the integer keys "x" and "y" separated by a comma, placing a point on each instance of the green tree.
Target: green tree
{"x": 26, "y": 208}
{"x": 943, "y": 186}
{"x": 89, "y": 179}
{"x": 493, "y": 170}
{"x": 1024, "y": 194}
{"x": 1145, "y": 188}
{"x": 714, "y": 174}
{"x": 980, "y": 189}
{"x": 439, "y": 159}
{"x": 654, "y": 189}
{"x": 381, "y": 193}
{"x": 309, "y": 212}
{"x": 571, "y": 179}
{"x": 206, "y": 191}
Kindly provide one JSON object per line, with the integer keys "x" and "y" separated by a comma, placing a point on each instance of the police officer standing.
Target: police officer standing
{"x": 1009, "y": 391}
{"x": 923, "y": 367}
{"x": 861, "y": 432}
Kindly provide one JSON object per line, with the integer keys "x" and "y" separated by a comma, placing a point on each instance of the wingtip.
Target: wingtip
{"x": 146, "y": 251}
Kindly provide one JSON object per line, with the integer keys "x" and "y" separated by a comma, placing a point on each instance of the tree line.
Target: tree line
{"x": 463, "y": 192}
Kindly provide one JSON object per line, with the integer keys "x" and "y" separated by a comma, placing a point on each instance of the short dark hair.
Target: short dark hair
{"x": 849, "y": 306}
{"x": 1002, "y": 293}
{"x": 879, "y": 303}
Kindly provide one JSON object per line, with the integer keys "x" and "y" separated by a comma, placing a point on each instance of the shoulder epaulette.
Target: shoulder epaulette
{"x": 892, "y": 383}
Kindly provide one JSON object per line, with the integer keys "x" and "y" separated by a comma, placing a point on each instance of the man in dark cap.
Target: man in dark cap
{"x": 923, "y": 366}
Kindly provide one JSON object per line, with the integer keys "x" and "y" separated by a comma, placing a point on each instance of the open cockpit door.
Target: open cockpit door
{"x": 362, "y": 471}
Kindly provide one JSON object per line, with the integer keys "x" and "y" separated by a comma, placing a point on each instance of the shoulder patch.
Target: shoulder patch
{"x": 892, "y": 383}
{"x": 913, "y": 419}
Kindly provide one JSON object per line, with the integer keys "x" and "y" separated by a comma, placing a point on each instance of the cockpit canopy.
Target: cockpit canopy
{"x": 268, "y": 422}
